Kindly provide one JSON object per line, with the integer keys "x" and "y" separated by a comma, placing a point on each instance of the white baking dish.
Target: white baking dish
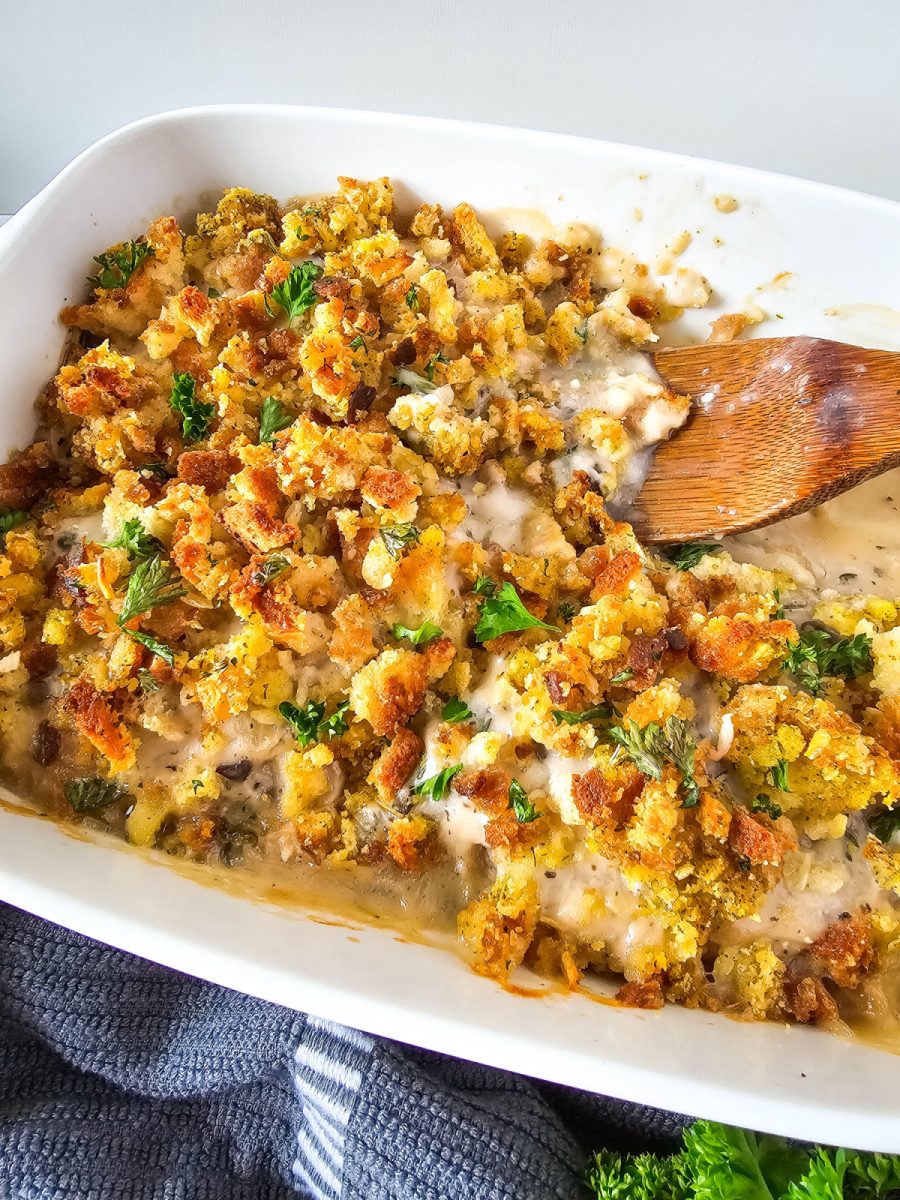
{"x": 843, "y": 249}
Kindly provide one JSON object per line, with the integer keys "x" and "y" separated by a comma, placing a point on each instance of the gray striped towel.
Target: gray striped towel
{"x": 122, "y": 1080}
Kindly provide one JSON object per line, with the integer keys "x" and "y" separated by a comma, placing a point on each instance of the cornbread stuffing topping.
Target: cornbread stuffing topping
{"x": 315, "y": 560}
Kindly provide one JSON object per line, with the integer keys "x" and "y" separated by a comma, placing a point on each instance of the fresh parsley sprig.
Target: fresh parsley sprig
{"x": 397, "y": 537}
{"x": 426, "y": 633}
{"x": 765, "y": 804}
{"x": 134, "y": 538}
{"x": 521, "y": 805}
{"x": 11, "y": 518}
{"x": 436, "y": 787}
{"x": 686, "y": 555}
{"x": 819, "y": 653}
{"x": 151, "y": 584}
{"x": 309, "y": 722}
{"x": 649, "y": 748}
{"x": 117, "y": 266}
{"x": 504, "y": 612}
{"x": 160, "y": 649}
{"x": 273, "y": 566}
{"x": 91, "y": 795}
{"x": 601, "y": 712}
{"x": 455, "y": 711}
{"x": 777, "y": 776}
{"x": 297, "y": 294}
{"x": 273, "y": 417}
{"x": 196, "y": 416}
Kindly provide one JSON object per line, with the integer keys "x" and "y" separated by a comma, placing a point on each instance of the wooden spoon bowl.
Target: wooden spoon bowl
{"x": 777, "y": 426}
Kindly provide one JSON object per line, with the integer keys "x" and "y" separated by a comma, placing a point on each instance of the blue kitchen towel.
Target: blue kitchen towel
{"x": 122, "y": 1080}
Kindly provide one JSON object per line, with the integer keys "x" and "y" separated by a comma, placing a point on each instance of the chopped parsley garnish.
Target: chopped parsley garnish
{"x": 90, "y": 795}
{"x": 149, "y": 683}
{"x": 426, "y": 633}
{"x": 484, "y": 586}
{"x": 412, "y": 298}
{"x": 404, "y": 377}
{"x": 885, "y": 824}
{"x": 134, "y": 538}
{"x": 504, "y": 612}
{"x": 160, "y": 649}
{"x": 10, "y": 518}
{"x": 213, "y": 293}
{"x": 151, "y": 584}
{"x": 196, "y": 416}
{"x": 819, "y": 653}
{"x": 581, "y": 332}
{"x": 118, "y": 266}
{"x": 521, "y": 805}
{"x": 432, "y": 363}
{"x": 336, "y": 724}
{"x": 600, "y": 713}
{"x": 437, "y": 786}
{"x": 650, "y": 747}
{"x": 777, "y": 776}
{"x": 566, "y": 610}
{"x": 622, "y": 676}
{"x": 456, "y": 710}
{"x": 310, "y": 724}
{"x": 273, "y": 417}
{"x": 396, "y": 537}
{"x": 686, "y": 555}
{"x": 778, "y": 614}
{"x": 358, "y": 343}
{"x": 765, "y": 804}
{"x": 297, "y": 294}
{"x": 274, "y": 565}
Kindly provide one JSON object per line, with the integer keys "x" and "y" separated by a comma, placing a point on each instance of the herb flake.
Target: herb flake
{"x": 437, "y": 786}
{"x": 134, "y": 538}
{"x": 819, "y": 653}
{"x": 397, "y": 537}
{"x": 455, "y": 711}
{"x": 426, "y": 633}
{"x": 504, "y": 612}
{"x": 686, "y": 555}
{"x": 91, "y": 795}
{"x": 273, "y": 417}
{"x": 297, "y": 294}
{"x": 118, "y": 265}
{"x": 196, "y": 416}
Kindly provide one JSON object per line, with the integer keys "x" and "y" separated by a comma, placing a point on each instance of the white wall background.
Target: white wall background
{"x": 807, "y": 87}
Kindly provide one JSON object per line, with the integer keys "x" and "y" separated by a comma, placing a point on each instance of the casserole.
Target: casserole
{"x": 770, "y": 234}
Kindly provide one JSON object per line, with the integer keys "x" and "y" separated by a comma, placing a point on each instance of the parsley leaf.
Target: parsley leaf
{"x": 649, "y": 748}
{"x": 885, "y": 823}
{"x": 687, "y": 554}
{"x": 404, "y": 377}
{"x": 426, "y": 633}
{"x": 622, "y": 676}
{"x": 149, "y": 683}
{"x": 151, "y": 584}
{"x": 273, "y": 417}
{"x": 274, "y": 565}
{"x": 778, "y": 614}
{"x": 134, "y": 538}
{"x": 160, "y": 649}
{"x": 297, "y": 294}
{"x": 118, "y": 266}
{"x": 600, "y": 713}
{"x": 310, "y": 724}
{"x": 819, "y": 653}
{"x": 521, "y": 805}
{"x": 505, "y": 613}
{"x": 777, "y": 776}
{"x": 432, "y": 363}
{"x": 358, "y": 343}
{"x": 10, "y": 518}
{"x": 680, "y": 750}
{"x": 484, "y": 586}
{"x": 336, "y": 724}
{"x": 581, "y": 332}
{"x": 566, "y": 610}
{"x": 90, "y": 795}
{"x": 437, "y": 786}
{"x": 644, "y": 746}
{"x": 765, "y": 804}
{"x": 412, "y": 298}
{"x": 196, "y": 416}
{"x": 395, "y": 537}
{"x": 456, "y": 710}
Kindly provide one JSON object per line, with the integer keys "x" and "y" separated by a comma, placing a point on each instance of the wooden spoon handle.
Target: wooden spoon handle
{"x": 777, "y": 426}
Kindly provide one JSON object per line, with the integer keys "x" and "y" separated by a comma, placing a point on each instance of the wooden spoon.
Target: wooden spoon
{"x": 777, "y": 426}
